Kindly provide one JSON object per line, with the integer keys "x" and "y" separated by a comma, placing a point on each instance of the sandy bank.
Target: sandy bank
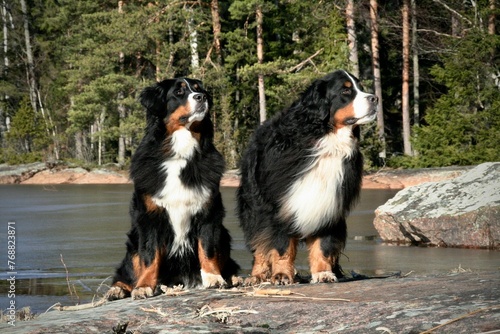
{"x": 40, "y": 173}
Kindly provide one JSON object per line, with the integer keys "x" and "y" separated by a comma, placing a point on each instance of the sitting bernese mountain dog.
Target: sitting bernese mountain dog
{"x": 177, "y": 236}
{"x": 300, "y": 176}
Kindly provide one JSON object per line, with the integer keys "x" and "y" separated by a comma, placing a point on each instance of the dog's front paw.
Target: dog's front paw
{"x": 237, "y": 281}
{"x": 212, "y": 280}
{"x": 253, "y": 280}
{"x": 282, "y": 279}
{"x": 324, "y": 277}
{"x": 142, "y": 292}
{"x": 115, "y": 293}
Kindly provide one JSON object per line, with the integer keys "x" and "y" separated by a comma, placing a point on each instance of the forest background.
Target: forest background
{"x": 71, "y": 72}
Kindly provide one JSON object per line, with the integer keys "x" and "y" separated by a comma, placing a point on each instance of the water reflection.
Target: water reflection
{"x": 87, "y": 225}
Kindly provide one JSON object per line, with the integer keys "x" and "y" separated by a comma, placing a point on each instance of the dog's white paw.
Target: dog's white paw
{"x": 115, "y": 293}
{"x": 142, "y": 292}
{"x": 324, "y": 277}
{"x": 212, "y": 281}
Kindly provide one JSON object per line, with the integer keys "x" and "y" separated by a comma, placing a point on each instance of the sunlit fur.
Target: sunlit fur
{"x": 301, "y": 172}
{"x": 176, "y": 208}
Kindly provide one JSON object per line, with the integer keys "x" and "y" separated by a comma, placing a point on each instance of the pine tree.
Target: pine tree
{"x": 27, "y": 137}
{"x": 464, "y": 123}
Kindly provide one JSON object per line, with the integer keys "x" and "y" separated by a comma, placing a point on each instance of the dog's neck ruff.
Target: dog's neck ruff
{"x": 182, "y": 144}
{"x": 181, "y": 202}
{"x": 314, "y": 199}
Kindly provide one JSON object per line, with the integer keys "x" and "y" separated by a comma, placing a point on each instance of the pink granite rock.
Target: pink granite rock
{"x": 462, "y": 212}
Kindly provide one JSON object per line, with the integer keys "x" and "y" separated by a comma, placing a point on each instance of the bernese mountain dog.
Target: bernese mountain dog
{"x": 300, "y": 176}
{"x": 177, "y": 236}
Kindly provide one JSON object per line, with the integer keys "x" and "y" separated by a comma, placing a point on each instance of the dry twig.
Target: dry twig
{"x": 222, "y": 313}
{"x": 289, "y": 294}
{"x": 92, "y": 304}
{"x": 156, "y": 310}
{"x": 299, "y": 66}
{"x": 71, "y": 291}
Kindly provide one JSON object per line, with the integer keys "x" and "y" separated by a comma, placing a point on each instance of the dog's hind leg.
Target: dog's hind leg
{"x": 282, "y": 263}
{"x": 261, "y": 269}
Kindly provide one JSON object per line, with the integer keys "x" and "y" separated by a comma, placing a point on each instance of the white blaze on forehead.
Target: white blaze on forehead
{"x": 361, "y": 103}
{"x": 192, "y": 101}
{"x": 354, "y": 82}
{"x": 189, "y": 87}
{"x": 193, "y": 106}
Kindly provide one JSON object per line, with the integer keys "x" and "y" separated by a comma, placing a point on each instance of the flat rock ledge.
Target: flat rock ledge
{"x": 46, "y": 173}
{"x": 464, "y": 302}
{"x": 462, "y": 212}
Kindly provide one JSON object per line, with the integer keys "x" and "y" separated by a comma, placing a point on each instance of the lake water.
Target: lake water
{"x": 73, "y": 236}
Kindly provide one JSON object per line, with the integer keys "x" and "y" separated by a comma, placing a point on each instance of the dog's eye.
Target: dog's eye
{"x": 346, "y": 91}
{"x": 179, "y": 92}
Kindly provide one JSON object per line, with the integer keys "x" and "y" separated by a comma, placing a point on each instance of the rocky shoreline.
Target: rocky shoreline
{"x": 42, "y": 173}
{"x": 460, "y": 302}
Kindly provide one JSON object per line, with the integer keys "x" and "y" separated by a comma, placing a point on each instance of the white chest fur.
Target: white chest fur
{"x": 181, "y": 202}
{"x": 313, "y": 198}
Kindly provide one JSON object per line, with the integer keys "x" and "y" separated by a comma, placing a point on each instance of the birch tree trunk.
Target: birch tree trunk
{"x": 171, "y": 56}
{"x": 405, "y": 94}
{"x": 377, "y": 82}
{"x": 260, "y": 59}
{"x": 351, "y": 36}
{"x": 193, "y": 43}
{"x": 121, "y": 107}
{"x": 29, "y": 57}
{"x": 491, "y": 18}
{"x": 101, "y": 148}
{"x": 35, "y": 98}
{"x": 4, "y": 116}
{"x": 158, "y": 54}
{"x": 416, "y": 66}
{"x": 5, "y": 19}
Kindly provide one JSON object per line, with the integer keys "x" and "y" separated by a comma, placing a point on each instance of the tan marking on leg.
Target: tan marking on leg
{"x": 211, "y": 268}
{"x": 146, "y": 276}
{"x": 124, "y": 286}
{"x": 321, "y": 266}
{"x": 283, "y": 268}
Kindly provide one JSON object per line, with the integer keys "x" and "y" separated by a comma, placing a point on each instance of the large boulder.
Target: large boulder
{"x": 462, "y": 212}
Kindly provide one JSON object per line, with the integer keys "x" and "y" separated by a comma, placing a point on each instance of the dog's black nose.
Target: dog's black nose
{"x": 372, "y": 98}
{"x": 200, "y": 97}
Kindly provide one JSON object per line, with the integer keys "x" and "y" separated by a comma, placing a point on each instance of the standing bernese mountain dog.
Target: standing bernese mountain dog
{"x": 177, "y": 236}
{"x": 300, "y": 176}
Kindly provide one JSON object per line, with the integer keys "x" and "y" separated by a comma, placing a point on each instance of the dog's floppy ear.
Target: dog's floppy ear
{"x": 154, "y": 97}
{"x": 315, "y": 97}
